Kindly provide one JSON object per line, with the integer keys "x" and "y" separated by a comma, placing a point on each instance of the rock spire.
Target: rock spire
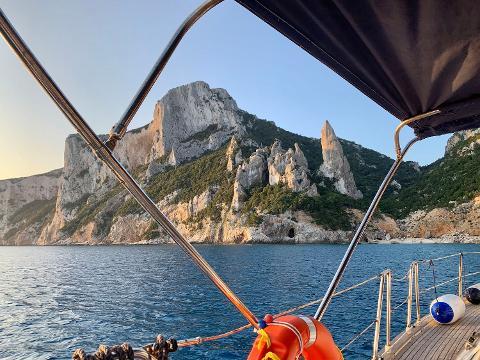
{"x": 335, "y": 164}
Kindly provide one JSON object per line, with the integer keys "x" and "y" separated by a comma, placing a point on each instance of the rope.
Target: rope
{"x": 449, "y": 281}
{"x": 356, "y": 337}
{"x": 401, "y": 304}
{"x": 200, "y": 340}
{"x": 424, "y": 261}
{"x": 403, "y": 278}
{"x": 115, "y": 352}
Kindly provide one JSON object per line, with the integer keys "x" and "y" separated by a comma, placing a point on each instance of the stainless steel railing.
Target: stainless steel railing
{"x": 413, "y": 297}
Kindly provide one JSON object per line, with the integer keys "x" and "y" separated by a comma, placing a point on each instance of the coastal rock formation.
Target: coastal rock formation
{"x": 472, "y": 137}
{"x": 272, "y": 166}
{"x": 251, "y": 172}
{"x": 192, "y": 119}
{"x": 234, "y": 154}
{"x": 335, "y": 164}
{"x": 25, "y": 204}
{"x": 187, "y": 122}
{"x": 461, "y": 220}
{"x": 290, "y": 168}
{"x": 201, "y": 158}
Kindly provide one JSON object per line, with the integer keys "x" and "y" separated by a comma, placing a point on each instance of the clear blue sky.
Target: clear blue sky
{"x": 100, "y": 51}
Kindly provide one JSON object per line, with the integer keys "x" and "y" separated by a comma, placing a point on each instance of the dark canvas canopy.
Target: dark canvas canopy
{"x": 410, "y": 57}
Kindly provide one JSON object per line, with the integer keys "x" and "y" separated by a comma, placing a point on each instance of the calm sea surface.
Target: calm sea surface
{"x": 56, "y": 299}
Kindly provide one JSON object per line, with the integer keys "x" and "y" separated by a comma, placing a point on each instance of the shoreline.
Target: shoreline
{"x": 463, "y": 239}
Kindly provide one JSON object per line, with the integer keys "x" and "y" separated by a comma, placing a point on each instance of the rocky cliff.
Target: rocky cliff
{"x": 444, "y": 200}
{"x": 225, "y": 176}
{"x": 26, "y": 205}
{"x": 335, "y": 165}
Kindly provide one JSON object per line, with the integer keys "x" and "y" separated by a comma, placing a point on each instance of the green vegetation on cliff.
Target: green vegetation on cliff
{"x": 35, "y": 212}
{"x": 452, "y": 180}
{"x": 187, "y": 180}
{"x": 368, "y": 166}
{"x": 328, "y": 209}
{"x": 265, "y": 132}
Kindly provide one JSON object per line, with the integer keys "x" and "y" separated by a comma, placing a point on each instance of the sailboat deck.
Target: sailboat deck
{"x": 429, "y": 340}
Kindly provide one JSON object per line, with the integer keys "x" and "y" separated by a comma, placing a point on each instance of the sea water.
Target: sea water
{"x": 56, "y": 299}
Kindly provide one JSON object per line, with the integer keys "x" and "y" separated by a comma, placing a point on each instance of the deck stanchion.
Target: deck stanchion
{"x": 460, "y": 274}
{"x": 378, "y": 319}
{"x": 388, "y": 320}
{"x": 417, "y": 291}
{"x": 409, "y": 299}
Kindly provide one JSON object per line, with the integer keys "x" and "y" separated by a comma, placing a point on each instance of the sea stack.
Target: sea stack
{"x": 335, "y": 164}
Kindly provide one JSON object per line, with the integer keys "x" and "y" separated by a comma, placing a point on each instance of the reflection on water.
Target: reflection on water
{"x": 56, "y": 299}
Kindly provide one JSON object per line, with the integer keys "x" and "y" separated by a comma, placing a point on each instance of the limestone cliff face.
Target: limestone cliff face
{"x": 290, "y": 168}
{"x": 335, "y": 165}
{"x": 26, "y": 200}
{"x": 473, "y": 137}
{"x": 193, "y": 124}
{"x": 462, "y": 220}
{"x": 234, "y": 154}
{"x": 191, "y": 119}
{"x": 251, "y": 172}
{"x": 272, "y": 166}
{"x": 187, "y": 122}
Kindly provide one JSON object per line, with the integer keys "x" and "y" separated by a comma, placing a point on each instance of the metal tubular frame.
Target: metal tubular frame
{"x": 409, "y": 299}
{"x": 120, "y": 128}
{"x": 378, "y": 318}
{"x": 417, "y": 291}
{"x": 360, "y": 231}
{"x": 388, "y": 320}
{"x": 396, "y": 137}
{"x": 460, "y": 275}
{"x": 14, "y": 40}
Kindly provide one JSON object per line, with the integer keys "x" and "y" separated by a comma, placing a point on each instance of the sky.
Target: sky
{"x": 99, "y": 52}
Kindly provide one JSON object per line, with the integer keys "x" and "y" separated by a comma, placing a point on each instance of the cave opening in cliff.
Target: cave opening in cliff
{"x": 291, "y": 233}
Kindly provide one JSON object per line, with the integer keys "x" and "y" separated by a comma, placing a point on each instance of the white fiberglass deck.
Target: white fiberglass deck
{"x": 431, "y": 341}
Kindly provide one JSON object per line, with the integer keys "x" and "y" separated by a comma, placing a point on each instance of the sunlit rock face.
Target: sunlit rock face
{"x": 289, "y": 167}
{"x": 335, "y": 164}
{"x": 187, "y": 122}
{"x": 463, "y": 142}
{"x": 82, "y": 203}
{"x": 25, "y": 203}
{"x": 250, "y": 173}
{"x": 272, "y": 165}
{"x": 234, "y": 154}
{"x": 194, "y": 118}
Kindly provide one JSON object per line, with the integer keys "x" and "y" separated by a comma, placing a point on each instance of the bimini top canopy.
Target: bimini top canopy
{"x": 411, "y": 57}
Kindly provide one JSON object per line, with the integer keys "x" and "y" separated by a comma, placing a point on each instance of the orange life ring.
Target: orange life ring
{"x": 291, "y": 336}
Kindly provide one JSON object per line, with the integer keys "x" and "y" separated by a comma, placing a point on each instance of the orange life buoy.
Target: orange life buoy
{"x": 291, "y": 336}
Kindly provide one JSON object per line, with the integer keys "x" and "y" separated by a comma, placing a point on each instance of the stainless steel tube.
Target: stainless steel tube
{"x": 378, "y": 319}
{"x": 103, "y": 152}
{"x": 417, "y": 291}
{"x": 388, "y": 319}
{"x": 460, "y": 275}
{"x": 410, "y": 298}
{"x": 359, "y": 233}
{"x": 119, "y": 129}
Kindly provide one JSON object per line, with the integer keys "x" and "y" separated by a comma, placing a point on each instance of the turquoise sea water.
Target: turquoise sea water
{"x": 56, "y": 299}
